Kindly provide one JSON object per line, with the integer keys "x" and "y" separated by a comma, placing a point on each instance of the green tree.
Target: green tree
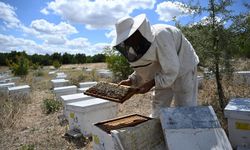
{"x": 21, "y": 67}
{"x": 56, "y": 64}
{"x": 213, "y": 41}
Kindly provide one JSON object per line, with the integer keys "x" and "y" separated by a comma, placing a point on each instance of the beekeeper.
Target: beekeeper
{"x": 160, "y": 56}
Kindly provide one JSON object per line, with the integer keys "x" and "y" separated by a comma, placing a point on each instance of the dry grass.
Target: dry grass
{"x": 28, "y": 125}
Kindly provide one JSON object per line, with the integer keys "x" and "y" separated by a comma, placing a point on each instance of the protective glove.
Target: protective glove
{"x": 146, "y": 87}
{"x": 127, "y": 82}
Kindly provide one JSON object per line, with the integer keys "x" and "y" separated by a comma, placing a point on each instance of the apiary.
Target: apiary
{"x": 82, "y": 114}
{"x": 19, "y": 92}
{"x": 87, "y": 84}
{"x": 129, "y": 132}
{"x": 237, "y": 113}
{"x": 65, "y": 90}
{"x": 59, "y": 82}
{"x": 193, "y": 128}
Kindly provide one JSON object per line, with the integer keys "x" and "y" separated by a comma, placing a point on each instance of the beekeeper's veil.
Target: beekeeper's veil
{"x": 125, "y": 28}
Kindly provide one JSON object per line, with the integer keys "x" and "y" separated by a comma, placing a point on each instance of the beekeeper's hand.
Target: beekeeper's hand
{"x": 146, "y": 87}
{"x": 127, "y": 82}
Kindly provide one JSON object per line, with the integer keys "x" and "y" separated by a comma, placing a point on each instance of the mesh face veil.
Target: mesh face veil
{"x": 134, "y": 47}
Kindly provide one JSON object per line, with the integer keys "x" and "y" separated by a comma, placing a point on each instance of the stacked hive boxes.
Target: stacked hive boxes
{"x": 65, "y": 90}
{"x": 59, "y": 82}
{"x": 85, "y": 85}
{"x": 19, "y": 92}
{"x": 194, "y": 127}
{"x": 242, "y": 77}
{"x": 82, "y": 114}
{"x": 238, "y": 114}
{"x": 129, "y": 132}
{"x": 4, "y": 87}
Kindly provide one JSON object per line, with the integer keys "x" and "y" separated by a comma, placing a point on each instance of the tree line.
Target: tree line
{"x": 45, "y": 60}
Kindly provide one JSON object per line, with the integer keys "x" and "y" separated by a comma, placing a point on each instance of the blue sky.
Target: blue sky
{"x": 81, "y": 26}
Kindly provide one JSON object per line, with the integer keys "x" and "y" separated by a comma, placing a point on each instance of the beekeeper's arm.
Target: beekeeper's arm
{"x": 168, "y": 59}
{"x": 130, "y": 81}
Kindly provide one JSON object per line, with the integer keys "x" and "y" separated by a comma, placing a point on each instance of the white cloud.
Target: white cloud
{"x": 99, "y": 13}
{"x": 78, "y": 45}
{"x": 55, "y": 40}
{"x": 44, "y": 11}
{"x": 53, "y": 37}
{"x": 111, "y": 34}
{"x": 169, "y": 10}
{"x": 8, "y": 15}
{"x": 46, "y": 27}
{"x": 208, "y": 21}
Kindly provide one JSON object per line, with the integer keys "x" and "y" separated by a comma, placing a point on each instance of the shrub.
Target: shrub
{"x": 51, "y": 105}
{"x": 56, "y": 64}
{"x": 28, "y": 147}
{"x": 38, "y": 73}
{"x": 21, "y": 67}
{"x": 117, "y": 64}
{"x": 35, "y": 66}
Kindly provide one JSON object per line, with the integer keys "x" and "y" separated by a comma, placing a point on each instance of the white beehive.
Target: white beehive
{"x": 59, "y": 82}
{"x": 52, "y": 73}
{"x": 237, "y": 112}
{"x": 104, "y": 73}
{"x": 88, "y": 70}
{"x": 242, "y": 77}
{"x": 199, "y": 81}
{"x": 193, "y": 128}
{"x": 83, "y": 114}
{"x": 4, "y": 86}
{"x": 17, "y": 92}
{"x": 86, "y": 84}
{"x": 4, "y": 81}
{"x": 61, "y": 76}
{"x": 65, "y": 90}
{"x": 71, "y": 98}
{"x": 81, "y": 90}
{"x": 143, "y": 135}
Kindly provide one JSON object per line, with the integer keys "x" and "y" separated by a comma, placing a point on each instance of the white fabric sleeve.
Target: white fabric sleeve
{"x": 132, "y": 77}
{"x": 168, "y": 59}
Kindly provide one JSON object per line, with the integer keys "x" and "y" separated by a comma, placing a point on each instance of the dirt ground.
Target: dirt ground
{"x": 33, "y": 129}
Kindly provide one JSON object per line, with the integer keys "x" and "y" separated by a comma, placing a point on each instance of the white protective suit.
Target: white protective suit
{"x": 171, "y": 61}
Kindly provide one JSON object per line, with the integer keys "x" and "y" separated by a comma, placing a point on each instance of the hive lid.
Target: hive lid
{"x": 21, "y": 87}
{"x": 59, "y": 80}
{"x": 65, "y": 88}
{"x": 122, "y": 122}
{"x": 88, "y": 105}
{"x": 189, "y": 118}
{"x": 238, "y": 108}
{"x": 7, "y": 84}
{"x": 244, "y": 72}
{"x": 73, "y": 96}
